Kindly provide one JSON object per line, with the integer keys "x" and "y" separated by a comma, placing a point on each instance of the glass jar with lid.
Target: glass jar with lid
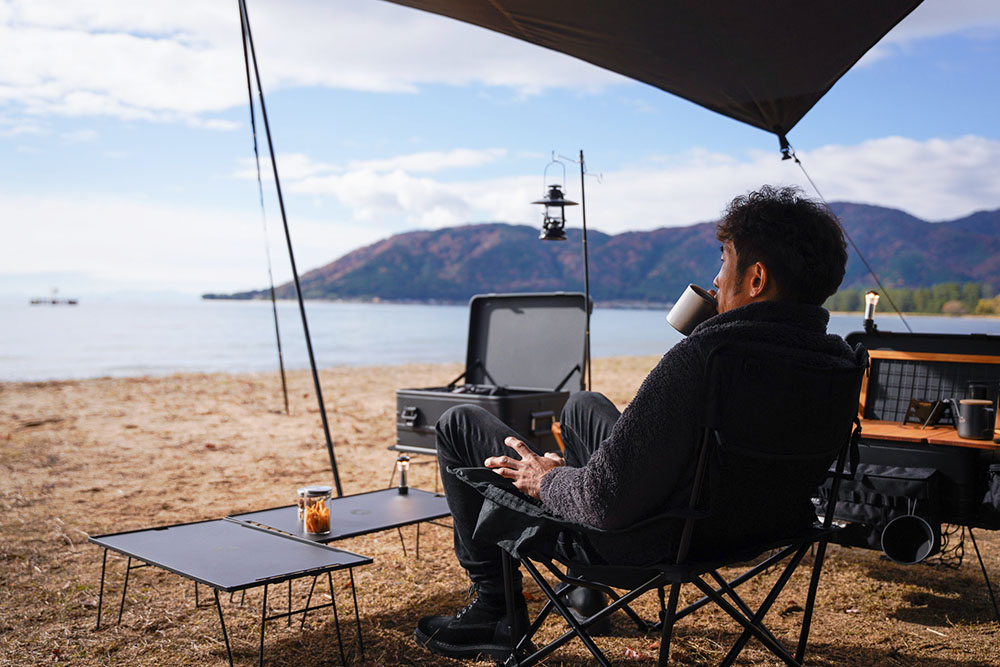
{"x": 314, "y": 508}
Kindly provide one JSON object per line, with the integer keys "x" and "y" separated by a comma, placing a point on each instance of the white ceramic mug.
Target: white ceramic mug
{"x": 694, "y": 306}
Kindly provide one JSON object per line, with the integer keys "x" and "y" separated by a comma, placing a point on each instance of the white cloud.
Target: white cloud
{"x": 85, "y": 135}
{"x": 970, "y": 18}
{"x": 183, "y": 61}
{"x": 159, "y": 245}
{"x": 433, "y": 160}
{"x": 935, "y": 179}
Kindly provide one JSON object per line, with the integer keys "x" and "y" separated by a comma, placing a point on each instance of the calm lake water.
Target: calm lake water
{"x": 97, "y": 339}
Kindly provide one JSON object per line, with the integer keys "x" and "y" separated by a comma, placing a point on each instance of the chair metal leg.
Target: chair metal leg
{"x": 336, "y": 619}
{"x": 758, "y": 617}
{"x": 667, "y": 631}
{"x": 508, "y": 596}
{"x": 800, "y": 651}
{"x": 121, "y": 607}
{"x": 222, "y": 622}
{"x": 725, "y": 605}
{"x": 100, "y": 596}
{"x": 578, "y": 630}
{"x": 996, "y": 612}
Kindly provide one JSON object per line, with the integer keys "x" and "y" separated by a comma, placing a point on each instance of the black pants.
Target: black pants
{"x": 468, "y": 434}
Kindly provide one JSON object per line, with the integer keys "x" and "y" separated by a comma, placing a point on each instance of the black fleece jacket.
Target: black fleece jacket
{"x": 645, "y": 466}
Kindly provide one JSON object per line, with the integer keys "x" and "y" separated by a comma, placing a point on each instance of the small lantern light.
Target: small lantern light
{"x": 554, "y": 223}
{"x": 871, "y": 301}
{"x": 403, "y": 465}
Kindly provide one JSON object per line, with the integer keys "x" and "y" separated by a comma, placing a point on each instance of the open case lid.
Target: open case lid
{"x": 530, "y": 341}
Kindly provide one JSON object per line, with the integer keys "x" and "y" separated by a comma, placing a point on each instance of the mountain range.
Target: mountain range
{"x": 452, "y": 264}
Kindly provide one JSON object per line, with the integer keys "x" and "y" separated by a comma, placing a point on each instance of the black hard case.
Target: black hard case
{"x": 528, "y": 348}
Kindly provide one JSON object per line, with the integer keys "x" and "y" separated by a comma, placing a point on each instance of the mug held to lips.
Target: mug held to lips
{"x": 694, "y": 306}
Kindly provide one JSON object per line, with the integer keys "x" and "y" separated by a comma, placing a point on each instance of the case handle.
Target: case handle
{"x": 409, "y": 415}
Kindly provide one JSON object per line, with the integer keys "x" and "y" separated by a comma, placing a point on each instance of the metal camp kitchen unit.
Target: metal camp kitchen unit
{"x": 525, "y": 354}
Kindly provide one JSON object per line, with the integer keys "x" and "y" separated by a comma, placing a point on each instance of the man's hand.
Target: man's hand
{"x": 526, "y": 473}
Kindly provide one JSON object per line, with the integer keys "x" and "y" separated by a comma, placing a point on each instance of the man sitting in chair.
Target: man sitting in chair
{"x": 782, "y": 256}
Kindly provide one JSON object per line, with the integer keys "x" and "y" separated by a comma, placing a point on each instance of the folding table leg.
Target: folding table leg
{"x": 402, "y": 543}
{"x": 121, "y": 607}
{"x": 357, "y": 615}
{"x": 989, "y": 588}
{"x": 100, "y": 596}
{"x": 305, "y": 610}
{"x": 222, "y": 622}
{"x": 418, "y": 542}
{"x": 263, "y": 622}
{"x": 289, "y": 603}
{"x": 336, "y": 620}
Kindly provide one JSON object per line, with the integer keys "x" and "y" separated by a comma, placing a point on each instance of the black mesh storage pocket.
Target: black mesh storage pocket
{"x": 877, "y": 497}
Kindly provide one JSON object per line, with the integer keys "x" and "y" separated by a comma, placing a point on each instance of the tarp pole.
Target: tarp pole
{"x": 245, "y": 19}
{"x": 586, "y": 273}
{"x": 263, "y": 219}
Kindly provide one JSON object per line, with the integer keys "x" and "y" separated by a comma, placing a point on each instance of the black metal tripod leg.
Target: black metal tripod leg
{"x": 121, "y": 607}
{"x": 222, "y": 622}
{"x": 336, "y": 619}
{"x": 357, "y": 615}
{"x": 996, "y": 612}
{"x": 100, "y": 596}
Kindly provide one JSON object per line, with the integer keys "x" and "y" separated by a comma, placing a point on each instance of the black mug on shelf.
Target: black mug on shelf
{"x": 975, "y": 417}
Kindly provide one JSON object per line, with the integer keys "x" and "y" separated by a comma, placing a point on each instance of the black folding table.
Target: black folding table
{"x": 231, "y": 556}
{"x": 357, "y": 514}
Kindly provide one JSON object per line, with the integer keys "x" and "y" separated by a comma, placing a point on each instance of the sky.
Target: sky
{"x": 127, "y": 163}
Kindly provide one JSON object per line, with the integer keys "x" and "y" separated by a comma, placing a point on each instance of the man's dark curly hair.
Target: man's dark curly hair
{"x": 798, "y": 240}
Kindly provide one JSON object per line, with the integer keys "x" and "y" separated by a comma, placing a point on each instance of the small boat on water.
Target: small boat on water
{"x": 53, "y": 300}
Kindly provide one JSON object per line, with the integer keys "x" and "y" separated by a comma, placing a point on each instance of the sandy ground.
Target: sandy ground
{"x": 97, "y": 456}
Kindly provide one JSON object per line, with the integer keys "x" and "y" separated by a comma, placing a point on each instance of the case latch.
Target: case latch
{"x": 541, "y": 422}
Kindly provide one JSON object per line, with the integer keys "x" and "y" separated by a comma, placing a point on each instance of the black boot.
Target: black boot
{"x": 481, "y": 629}
{"x": 584, "y": 603}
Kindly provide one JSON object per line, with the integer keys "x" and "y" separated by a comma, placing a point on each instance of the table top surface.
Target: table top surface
{"x": 912, "y": 432}
{"x": 357, "y": 514}
{"x": 228, "y": 556}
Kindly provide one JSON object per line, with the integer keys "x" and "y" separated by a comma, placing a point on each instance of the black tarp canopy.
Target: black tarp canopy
{"x": 763, "y": 62}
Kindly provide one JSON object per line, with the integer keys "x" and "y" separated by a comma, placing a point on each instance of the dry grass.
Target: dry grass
{"x": 89, "y": 457}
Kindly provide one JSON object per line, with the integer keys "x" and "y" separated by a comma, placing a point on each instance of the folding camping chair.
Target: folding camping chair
{"x": 772, "y": 432}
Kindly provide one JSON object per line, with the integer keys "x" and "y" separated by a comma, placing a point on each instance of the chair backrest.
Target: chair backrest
{"x": 774, "y": 425}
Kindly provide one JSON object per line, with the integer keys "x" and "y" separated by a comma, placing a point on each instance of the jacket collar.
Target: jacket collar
{"x": 802, "y": 315}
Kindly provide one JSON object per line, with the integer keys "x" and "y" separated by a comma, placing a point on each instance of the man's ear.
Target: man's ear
{"x": 759, "y": 280}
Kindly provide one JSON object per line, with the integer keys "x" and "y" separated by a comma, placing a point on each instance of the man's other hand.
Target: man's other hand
{"x": 527, "y": 472}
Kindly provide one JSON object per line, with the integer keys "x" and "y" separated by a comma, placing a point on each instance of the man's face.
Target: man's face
{"x": 729, "y": 282}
